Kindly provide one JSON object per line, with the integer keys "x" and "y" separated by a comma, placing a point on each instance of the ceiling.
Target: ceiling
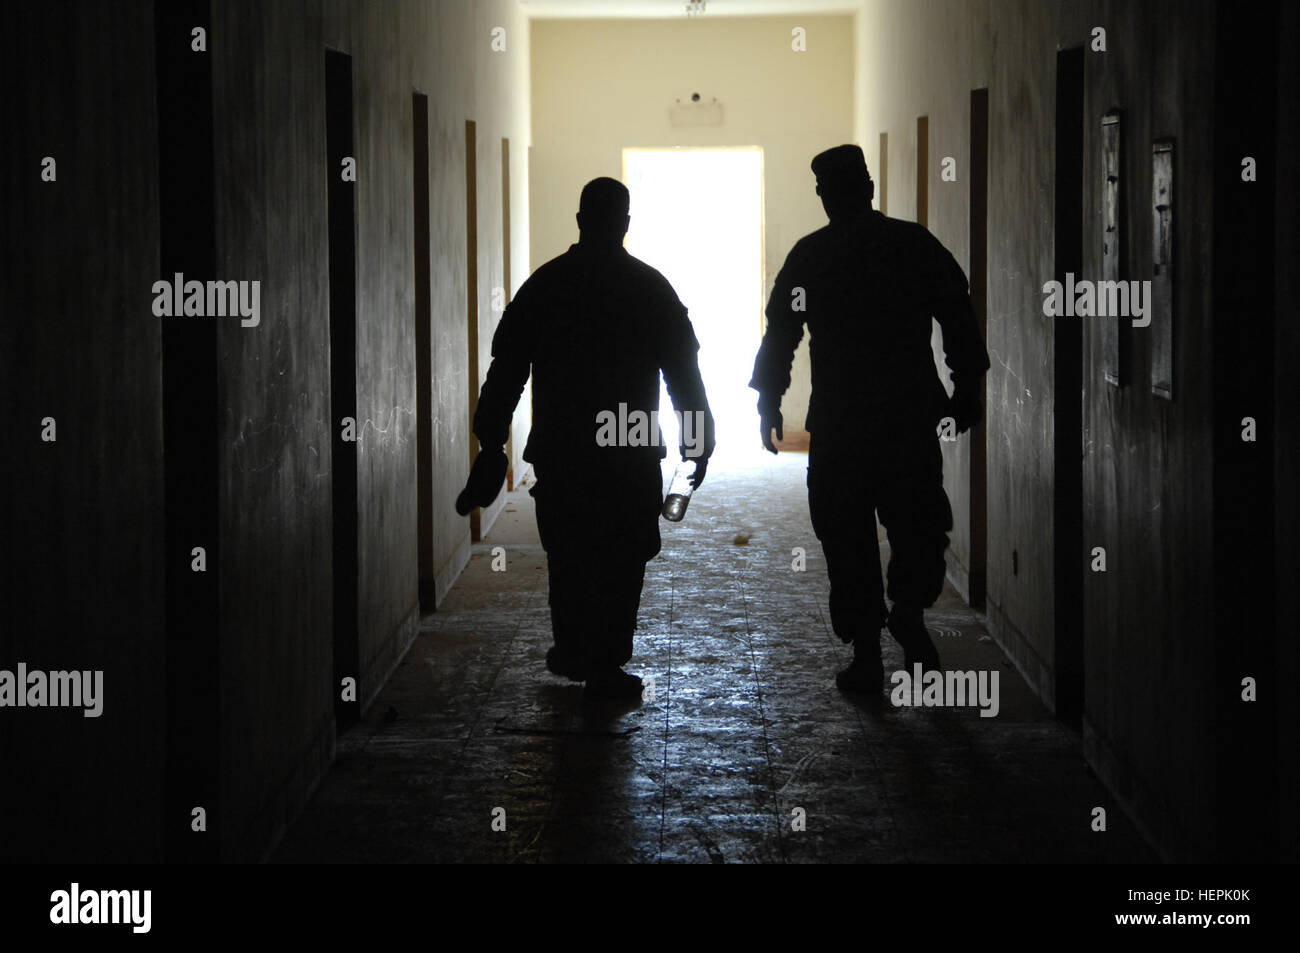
{"x": 670, "y": 9}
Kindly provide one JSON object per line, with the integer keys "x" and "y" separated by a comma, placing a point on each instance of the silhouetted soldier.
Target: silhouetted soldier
{"x": 596, "y": 326}
{"x": 867, "y": 286}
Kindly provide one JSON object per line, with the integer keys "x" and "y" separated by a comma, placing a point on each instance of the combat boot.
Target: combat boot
{"x": 565, "y": 664}
{"x": 867, "y": 671}
{"x": 611, "y": 682}
{"x": 907, "y": 625}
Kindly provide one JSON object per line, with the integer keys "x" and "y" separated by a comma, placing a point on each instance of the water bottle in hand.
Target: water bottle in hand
{"x": 679, "y": 493}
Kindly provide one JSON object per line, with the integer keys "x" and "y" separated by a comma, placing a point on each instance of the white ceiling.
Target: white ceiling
{"x": 670, "y": 9}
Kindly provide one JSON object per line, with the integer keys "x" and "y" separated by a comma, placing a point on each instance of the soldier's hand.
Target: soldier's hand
{"x": 486, "y": 475}
{"x": 965, "y": 408}
{"x": 701, "y": 467}
{"x": 768, "y": 422}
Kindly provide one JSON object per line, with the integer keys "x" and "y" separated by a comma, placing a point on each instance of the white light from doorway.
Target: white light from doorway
{"x": 697, "y": 216}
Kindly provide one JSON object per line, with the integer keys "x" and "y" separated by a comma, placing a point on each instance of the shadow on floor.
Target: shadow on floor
{"x": 745, "y": 736}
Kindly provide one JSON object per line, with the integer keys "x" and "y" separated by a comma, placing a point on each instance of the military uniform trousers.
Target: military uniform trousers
{"x": 898, "y": 476}
{"x": 599, "y": 528}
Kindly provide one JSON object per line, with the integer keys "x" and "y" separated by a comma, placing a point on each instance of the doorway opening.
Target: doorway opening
{"x": 505, "y": 283}
{"x": 979, "y": 259}
{"x": 923, "y": 170}
{"x": 428, "y": 587}
{"x": 342, "y": 214}
{"x": 697, "y": 217}
{"x": 882, "y": 176}
{"x": 1067, "y": 417}
{"x": 471, "y": 299}
{"x": 191, "y": 460}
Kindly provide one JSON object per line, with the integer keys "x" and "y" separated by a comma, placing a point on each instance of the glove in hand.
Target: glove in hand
{"x": 485, "y": 479}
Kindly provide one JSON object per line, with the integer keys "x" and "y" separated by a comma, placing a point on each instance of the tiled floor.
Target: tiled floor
{"x": 745, "y": 725}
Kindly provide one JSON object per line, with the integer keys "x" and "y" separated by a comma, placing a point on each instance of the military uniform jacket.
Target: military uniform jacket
{"x": 867, "y": 289}
{"x": 596, "y": 327}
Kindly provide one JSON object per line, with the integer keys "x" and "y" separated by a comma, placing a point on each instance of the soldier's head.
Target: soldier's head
{"x": 603, "y": 212}
{"x": 843, "y": 182}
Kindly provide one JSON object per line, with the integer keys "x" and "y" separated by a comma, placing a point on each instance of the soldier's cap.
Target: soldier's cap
{"x": 841, "y": 164}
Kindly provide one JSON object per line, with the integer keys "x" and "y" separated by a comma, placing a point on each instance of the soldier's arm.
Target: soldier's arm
{"x": 963, "y": 345}
{"x": 506, "y": 377}
{"x": 680, "y": 364}
{"x": 785, "y": 319}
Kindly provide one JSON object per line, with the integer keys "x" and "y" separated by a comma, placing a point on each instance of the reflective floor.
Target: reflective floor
{"x": 746, "y": 752}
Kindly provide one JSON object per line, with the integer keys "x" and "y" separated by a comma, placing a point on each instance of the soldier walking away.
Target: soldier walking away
{"x": 596, "y": 327}
{"x": 867, "y": 286}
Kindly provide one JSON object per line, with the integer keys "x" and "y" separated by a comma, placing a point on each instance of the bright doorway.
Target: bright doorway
{"x": 697, "y": 216}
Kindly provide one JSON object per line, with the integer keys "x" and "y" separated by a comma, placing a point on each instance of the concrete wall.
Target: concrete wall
{"x": 275, "y": 435}
{"x": 602, "y": 85}
{"x": 1149, "y": 722}
{"x": 85, "y": 252}
{"x": 1147, "y": 485}
{"x": 276, "y": 517}
{"x": 83, "y": 514}
{"x": 1287, "y": 440}
{"x": 1149, "y": 717}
